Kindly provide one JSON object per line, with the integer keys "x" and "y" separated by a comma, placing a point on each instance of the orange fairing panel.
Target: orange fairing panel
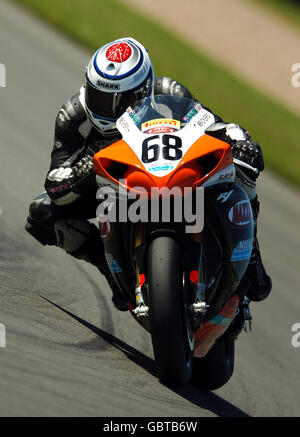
{"x": 191, "y": 171}
{"x": 118, "y": 152}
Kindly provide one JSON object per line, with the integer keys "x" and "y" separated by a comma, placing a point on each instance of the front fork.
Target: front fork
{"x": 196, "y": 306}
{"x": 199, "y": 307}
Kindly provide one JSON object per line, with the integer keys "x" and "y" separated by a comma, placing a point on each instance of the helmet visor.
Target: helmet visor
{"x": 112, "y": 105}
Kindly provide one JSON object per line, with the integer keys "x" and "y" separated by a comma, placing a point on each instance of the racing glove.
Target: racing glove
{"x": 78, "y": 180}
{"x": 248, "y": 152}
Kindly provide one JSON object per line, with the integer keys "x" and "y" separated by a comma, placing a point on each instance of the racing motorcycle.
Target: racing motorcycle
{"x": 181, "y": 278}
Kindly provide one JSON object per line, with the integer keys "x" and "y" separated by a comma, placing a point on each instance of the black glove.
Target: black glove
{"x": 82, "y": 177}
{"x": 249, "y": 152}
{"x": 79, "y": 179}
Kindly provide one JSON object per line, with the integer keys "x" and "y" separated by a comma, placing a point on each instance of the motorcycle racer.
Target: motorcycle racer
{"x": 117, "y": 75}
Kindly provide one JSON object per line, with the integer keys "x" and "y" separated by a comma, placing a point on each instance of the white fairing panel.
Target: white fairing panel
{"x": 159, "y": 166}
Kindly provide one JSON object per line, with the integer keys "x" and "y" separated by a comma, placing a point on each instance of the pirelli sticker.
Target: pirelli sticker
{"x": 160, "y": 124}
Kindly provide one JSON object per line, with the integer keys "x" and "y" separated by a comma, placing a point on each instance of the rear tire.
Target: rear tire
{"x": 216, "y": 368}
{"x": 172, "y": 350}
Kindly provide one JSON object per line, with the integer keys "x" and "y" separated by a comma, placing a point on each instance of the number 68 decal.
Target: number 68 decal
{"x": 168, "y": 145}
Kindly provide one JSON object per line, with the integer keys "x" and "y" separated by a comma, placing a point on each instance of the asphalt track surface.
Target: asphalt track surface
{"x": 68, "y": 351}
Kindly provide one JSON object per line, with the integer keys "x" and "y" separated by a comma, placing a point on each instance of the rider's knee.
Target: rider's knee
{"x": 40, "y": 222}
{"x": 78, "y": 237}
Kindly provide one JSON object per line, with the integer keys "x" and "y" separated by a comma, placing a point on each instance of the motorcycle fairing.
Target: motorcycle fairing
{"x": 206, "y": 162}
{"x": 187, "y": 135}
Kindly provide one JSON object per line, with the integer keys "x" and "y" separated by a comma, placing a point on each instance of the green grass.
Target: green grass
{"x": 94, "y": 22}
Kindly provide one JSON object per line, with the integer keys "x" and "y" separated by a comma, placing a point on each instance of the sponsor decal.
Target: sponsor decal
{"x": 160, "y": 130}
{"x": 60, "y": 188}
{"x": 124, "y": 124}
{"x": 225, "y": 176}
{"x": 165, "y": 167}
{"x": 112, "y": 263}
{"x": 203, "y": 120}
{"x": 175, "y": 124}
{"x": 242, "y": 251}
{"x": 111, "y": 86}
{"x": 187, "y": 118}
{"x": 240, "y": 213}
{"x": 132, "y": 114}
{"x": 119, "y": 52}
{"x": 224, "y": 196}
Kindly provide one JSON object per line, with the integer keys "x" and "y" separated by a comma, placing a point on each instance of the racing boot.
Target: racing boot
{"x": 260, "y": 282}
{"x": 243, "y": 315}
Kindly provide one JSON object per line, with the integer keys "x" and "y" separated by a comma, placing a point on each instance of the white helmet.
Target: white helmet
{"x": 118, "y": 74}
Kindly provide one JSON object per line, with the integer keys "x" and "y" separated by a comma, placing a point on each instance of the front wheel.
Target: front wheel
{"x": 170, "y": 334}
{"x": 216, "y": 368}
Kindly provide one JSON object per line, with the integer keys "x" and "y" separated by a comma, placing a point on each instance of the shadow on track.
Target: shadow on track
{"x": 206, "y": 400}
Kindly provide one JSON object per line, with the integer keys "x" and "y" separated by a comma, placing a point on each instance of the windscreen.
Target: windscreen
{"x": 163, "y": 113}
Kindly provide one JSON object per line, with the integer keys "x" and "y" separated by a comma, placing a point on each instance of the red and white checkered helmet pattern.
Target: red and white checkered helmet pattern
{"x": 118, "y": 74}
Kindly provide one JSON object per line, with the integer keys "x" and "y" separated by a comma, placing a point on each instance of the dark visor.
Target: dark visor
{"x": 108, "y": 104}
{"x": 113, "y": 104}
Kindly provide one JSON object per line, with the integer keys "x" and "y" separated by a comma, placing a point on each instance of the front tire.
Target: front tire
{"x": 216, "y": 368}
{"x": 172, "y": 349}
